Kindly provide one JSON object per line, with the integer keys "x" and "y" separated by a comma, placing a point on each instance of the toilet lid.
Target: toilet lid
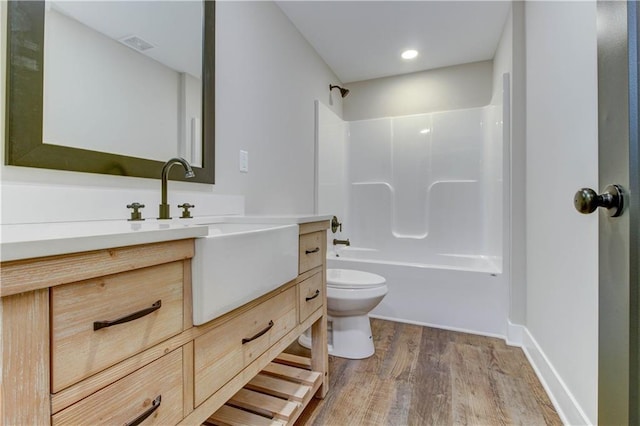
{"x": 349, "y": 278}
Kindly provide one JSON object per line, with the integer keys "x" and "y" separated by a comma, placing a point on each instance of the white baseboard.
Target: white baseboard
{"x": 563, "y": 400}
{"x": 515, "y": 333}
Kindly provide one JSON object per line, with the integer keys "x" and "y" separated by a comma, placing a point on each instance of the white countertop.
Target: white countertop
{"x": 24, "y": 241}
{"x": 282, "y": 219}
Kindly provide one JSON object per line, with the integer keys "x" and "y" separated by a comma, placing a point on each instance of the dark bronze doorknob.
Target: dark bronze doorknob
{"x": 587, "y": 200}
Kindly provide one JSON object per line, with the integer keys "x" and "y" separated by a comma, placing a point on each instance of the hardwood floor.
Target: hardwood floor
{"x": 427, "y": 376}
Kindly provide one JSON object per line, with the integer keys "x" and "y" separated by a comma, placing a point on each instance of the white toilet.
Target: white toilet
{"x": 351, "y": 295}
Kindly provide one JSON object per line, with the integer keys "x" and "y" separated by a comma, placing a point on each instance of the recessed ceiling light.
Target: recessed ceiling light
{"x": 425, "y": 131}
{"x": 409, "y": 54}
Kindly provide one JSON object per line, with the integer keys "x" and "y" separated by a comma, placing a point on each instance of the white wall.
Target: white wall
{"x": 267, "y": 78}
{"x": 443, "y": 89}
{"x": 510, "y": 58}
{"x": 562, "y": 245}
{"x": 515, "y": 244}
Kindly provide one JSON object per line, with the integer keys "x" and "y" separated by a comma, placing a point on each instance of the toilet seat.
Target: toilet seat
{"x": 352, "y": 279}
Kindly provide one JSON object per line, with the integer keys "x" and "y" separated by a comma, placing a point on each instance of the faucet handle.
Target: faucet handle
{"x": 186, "y": 214}
{"x": 136, "y": 214}
{"x": 335, "y": 224}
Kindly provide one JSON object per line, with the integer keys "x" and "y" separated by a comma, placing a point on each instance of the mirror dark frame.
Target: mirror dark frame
{"x": 24, "y": 145}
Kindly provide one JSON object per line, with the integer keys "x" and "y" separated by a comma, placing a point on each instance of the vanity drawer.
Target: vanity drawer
{"x": 220, "y": 354}
{"x": 79, "y": 350}
{"x": 311, "y": 295}
{"x": 310, "y": 251}
{"x": 132, "y": 396}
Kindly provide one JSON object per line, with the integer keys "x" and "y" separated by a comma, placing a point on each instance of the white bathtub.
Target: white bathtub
{"x": 460, "y": 262}
{"x": 456, "y": 292}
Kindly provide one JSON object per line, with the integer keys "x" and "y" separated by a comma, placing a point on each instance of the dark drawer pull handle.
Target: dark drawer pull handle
{"x": 316, "y": 294}
{"x": 315, "y": 250}
{"x": 154, "y": 406}
{"x": 260, "y": 333}
{"x": 97, "y": 325}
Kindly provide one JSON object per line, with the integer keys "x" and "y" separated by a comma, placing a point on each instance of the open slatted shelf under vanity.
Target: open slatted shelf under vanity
{"x": 276, "y": 396}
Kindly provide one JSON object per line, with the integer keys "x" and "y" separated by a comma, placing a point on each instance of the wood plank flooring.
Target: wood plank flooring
{"x": 427, "y": 376}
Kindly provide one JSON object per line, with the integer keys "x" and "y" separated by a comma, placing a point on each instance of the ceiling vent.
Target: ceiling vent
{"x": 136, "y": 43}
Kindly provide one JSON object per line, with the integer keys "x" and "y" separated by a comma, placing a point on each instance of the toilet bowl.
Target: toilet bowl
{"x": 351, "y": 295}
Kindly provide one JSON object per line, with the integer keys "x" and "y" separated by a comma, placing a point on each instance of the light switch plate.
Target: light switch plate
{"x": 244, "y": 161}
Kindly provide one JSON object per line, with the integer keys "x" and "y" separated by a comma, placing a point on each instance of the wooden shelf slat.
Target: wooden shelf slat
{"x": 266, "y": 405}
{"x": 230, "y": 416}
{"x": 294, "y": 360}
{"x": 278, "y": 387}
{"x": 288, "y": 372}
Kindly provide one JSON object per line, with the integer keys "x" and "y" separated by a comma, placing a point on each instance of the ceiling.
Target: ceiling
{"x": 361, "y": 40}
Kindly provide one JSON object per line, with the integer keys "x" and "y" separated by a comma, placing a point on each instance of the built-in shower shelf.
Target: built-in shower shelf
{"x": 276, "y": 396}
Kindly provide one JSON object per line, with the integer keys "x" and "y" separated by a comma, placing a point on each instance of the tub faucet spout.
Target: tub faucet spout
{"x": 345, "y": 242}
{"x": 164, "y": 207}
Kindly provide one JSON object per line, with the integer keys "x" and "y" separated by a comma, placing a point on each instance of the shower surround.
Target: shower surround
{"x": 421, "y": 201}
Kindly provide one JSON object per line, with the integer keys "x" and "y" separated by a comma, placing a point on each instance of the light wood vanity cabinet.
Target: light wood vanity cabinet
{"x": 107, "y": 337}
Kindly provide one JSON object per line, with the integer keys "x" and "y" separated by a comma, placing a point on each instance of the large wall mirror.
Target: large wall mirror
{"x": 112, "y": 87}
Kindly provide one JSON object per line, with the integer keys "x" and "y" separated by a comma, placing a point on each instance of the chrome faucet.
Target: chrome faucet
{"x": 164, "y": 207}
